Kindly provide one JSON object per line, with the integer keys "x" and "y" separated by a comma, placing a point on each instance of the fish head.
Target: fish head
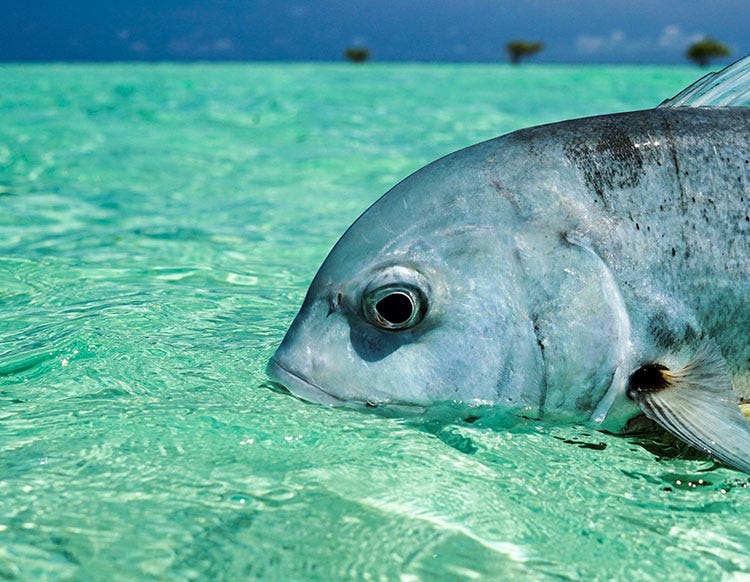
{"x": 419, "y": 303}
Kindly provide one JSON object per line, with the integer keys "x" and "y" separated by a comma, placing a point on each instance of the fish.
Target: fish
{"x": 592, "y": 271}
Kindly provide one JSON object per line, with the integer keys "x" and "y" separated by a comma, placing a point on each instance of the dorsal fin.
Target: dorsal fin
{"x": 729, "y": 87}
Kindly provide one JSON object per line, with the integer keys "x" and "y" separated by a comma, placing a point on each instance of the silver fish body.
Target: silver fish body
{"x": 593, "y": 269}
{"x": 554, "y": 256}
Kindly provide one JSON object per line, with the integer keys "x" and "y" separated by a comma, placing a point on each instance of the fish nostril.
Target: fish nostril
{"x": 335, "y": 303}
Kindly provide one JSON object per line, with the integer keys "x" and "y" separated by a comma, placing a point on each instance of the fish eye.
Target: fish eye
{"x": 395, "y": 307}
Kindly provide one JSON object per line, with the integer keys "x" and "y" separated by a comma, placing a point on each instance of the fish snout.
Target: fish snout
{"x": 298, "y": 385}
{"x": 305, "y": 361}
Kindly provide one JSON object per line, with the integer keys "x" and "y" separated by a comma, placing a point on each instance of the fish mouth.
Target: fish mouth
{"x": 299, "y": 386}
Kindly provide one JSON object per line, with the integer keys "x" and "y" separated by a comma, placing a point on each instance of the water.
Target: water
{"x": 159, "y": 227}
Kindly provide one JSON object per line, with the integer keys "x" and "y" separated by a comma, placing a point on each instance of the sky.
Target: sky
{"x": 607, "y": 31}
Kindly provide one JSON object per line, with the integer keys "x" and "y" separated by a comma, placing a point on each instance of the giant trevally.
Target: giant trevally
{"x": 594, "y": 269}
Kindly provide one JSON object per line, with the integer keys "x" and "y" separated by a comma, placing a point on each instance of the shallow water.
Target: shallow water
{"x": 159, "y": 226}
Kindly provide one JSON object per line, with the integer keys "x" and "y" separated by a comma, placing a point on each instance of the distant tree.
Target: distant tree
{"x": 703, "y": 51}
{"x": 357, "y": 54}
{"x": 520, "y": 49}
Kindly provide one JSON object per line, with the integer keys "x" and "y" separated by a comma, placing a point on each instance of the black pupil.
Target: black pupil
{"x": 395, "y": 308}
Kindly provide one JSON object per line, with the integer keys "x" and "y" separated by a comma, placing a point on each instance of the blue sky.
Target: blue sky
{"x": 637, "y": 31}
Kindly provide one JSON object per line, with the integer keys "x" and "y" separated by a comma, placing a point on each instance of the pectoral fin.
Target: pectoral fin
{"x": 697, "y": 404}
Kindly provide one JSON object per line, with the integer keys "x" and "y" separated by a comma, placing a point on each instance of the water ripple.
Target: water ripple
{"x": 159, "y": 227}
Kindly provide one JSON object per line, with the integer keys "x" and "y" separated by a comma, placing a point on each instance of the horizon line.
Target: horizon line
{"x": 686, "y": 63}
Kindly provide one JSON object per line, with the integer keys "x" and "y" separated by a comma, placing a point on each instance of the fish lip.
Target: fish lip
{"x": 300, "y": 386}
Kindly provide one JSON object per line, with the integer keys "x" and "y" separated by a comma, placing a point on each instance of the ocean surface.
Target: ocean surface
{"x": 159, "y": 225}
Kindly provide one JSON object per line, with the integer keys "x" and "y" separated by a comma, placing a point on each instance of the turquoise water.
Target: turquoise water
{"x": 159, "y": 226}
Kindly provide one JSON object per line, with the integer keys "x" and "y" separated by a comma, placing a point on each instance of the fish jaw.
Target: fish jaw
{"x": 299, "y": 386}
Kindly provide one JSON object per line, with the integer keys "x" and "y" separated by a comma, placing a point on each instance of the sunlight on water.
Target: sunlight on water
{"x": 159, "y": 227}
